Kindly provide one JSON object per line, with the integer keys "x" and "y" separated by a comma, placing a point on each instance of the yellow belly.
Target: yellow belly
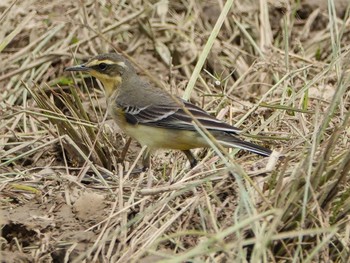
{"x": 156, "y": 138}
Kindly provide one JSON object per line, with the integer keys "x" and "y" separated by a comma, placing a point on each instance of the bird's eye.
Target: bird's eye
{"x": 102, "y": 66}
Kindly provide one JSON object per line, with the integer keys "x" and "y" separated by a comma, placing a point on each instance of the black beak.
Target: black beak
{"x": 77, "y": 68}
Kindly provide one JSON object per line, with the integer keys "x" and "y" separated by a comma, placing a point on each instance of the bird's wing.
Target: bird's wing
{"x": 172, "y": 116}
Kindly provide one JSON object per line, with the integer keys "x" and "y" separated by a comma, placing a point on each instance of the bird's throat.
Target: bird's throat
{"x": 111, "y": 85}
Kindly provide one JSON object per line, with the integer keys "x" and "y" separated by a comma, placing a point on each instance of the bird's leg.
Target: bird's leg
{"x": 146, "y": 160}
{"x": 190, "y": 157}
{"x": 125, "y": 150}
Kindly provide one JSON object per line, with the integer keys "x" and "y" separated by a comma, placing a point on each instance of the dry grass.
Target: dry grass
{"x": 279, "y": 71}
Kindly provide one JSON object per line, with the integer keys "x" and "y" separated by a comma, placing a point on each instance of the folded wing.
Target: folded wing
{"x": 174, "y": 117}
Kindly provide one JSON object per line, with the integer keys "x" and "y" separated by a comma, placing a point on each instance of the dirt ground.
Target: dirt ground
{"x": 277, "y": 69}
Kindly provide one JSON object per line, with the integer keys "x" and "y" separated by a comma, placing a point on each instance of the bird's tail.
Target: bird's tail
{"x": 234, "y": 142}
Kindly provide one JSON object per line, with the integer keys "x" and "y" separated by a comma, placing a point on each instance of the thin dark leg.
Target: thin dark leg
{"x": 146, "y": 160}
{"x": 125, "y": 150}
{"x": 191, "y": 158}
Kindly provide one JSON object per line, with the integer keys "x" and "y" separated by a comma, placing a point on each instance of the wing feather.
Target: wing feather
{"x": 174, "y": 117}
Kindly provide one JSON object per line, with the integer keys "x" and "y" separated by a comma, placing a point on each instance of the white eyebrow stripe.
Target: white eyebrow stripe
{"x": 121, "y": 63}
{"x": 108, "y": 62}
{"x": 96, "y": 62}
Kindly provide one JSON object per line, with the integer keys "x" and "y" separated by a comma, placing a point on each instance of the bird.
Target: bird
{"x": 152, "y": 116}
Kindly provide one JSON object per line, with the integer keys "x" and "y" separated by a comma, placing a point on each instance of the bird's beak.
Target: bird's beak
{"x": 77, "y": 68}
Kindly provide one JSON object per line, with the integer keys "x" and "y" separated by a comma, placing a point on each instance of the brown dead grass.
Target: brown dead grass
{"x": 278, "y": 70}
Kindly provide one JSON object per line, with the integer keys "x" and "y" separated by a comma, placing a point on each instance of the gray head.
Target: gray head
{"x": 111, "y": 69}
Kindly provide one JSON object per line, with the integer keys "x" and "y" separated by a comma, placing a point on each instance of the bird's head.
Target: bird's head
{"x": 111, "y": 69}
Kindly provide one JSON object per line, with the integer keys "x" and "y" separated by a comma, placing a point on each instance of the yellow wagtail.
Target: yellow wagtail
{"x": 152, "y": 116}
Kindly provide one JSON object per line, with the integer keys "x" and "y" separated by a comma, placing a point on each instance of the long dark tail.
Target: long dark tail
{"x": 232, "y": 142}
